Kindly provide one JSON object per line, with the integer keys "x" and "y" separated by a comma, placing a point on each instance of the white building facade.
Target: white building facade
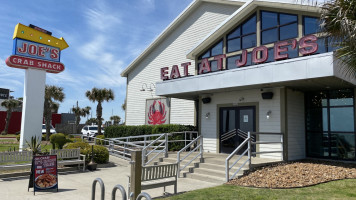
{"x": 259, "y": 66}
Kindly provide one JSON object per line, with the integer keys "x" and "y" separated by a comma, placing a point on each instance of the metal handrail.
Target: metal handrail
{"x": 200, "y": 146}
{"x": 145, "y": 154}
{"x": 248, "y": 151}
{"x": 249, "y": 141}
{"x": 101, "y": 186}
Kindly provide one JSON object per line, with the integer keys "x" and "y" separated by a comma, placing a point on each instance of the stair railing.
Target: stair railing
{"x": 158, "y": 146}
{"x": 249, "y": 141}
{"x": 247, "y": 151}
{"x": 198, "y": 143}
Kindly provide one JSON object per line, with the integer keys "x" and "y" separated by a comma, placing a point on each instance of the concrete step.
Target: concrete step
{"x": 204, "y": 177}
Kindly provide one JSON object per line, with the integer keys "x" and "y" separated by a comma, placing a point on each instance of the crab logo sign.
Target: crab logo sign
{"x": 157, "y": 111}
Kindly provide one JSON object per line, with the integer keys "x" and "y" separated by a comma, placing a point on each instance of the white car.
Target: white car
{"x": 52, "y": 130}
{"x": 91, "y": 130}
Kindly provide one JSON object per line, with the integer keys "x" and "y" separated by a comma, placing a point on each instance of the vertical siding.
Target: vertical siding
{"x": 296, "y": 125}
{"x": 209, "y": 128}
{"x": 172, "y": 51}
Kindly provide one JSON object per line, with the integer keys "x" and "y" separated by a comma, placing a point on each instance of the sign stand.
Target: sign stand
{"x": 44, "y": 173}
{"x": 32, "y": 110}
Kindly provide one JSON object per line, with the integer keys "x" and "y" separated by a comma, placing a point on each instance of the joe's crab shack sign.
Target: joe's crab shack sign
{"x": 307, "y": 45}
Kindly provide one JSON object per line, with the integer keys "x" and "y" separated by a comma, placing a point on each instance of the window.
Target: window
{"x": 311, "y": 25}
{"x": 217, "y": 49}
{"x": 231, "y": 61}
{"x": 278, "y": 26}
{"x": 330, "y": 124}
{"x": 243, "y": 36}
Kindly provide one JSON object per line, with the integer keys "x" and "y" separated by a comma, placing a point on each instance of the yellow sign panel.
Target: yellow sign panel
{"x": 27, "y": 33}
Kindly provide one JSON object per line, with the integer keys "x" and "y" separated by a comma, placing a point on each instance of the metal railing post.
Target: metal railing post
{"x": 185, "y": 138}
{"x": 166, "y": 145}
{"x": 227, "y": 170}
{"x": 282, "y": 149}
{"x": 144, "y": 157}
{"x": 94, "y": 140}
{"x": 102, "y": 196}
{"x": 201, "y": 149}
{"x": 178, "y": 162}
{"x": 249, "y": 149}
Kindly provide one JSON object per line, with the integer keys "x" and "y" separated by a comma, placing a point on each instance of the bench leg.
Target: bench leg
{"x": 175, "y": 188}
{"x": 164, "y": 190}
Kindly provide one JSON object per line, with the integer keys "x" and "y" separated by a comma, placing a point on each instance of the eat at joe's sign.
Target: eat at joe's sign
{"x": 307, "y": 45}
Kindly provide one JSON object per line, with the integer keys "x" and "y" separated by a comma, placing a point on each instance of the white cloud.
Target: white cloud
{"x": 101, "y": 17}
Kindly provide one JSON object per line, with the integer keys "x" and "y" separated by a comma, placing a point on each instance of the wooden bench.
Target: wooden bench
{"x": 11, "y": 158}
{"x": 159, "y": 176}
{"x": 69, "y": 157}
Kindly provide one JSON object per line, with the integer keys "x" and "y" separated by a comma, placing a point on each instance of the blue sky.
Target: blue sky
{"x": 104, "y": 37}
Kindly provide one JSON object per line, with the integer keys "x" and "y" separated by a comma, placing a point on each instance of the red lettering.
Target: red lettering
{"x": 175, "y": 72}
{"x": 220, "y": 58}
{"x": 54, "y": 53}
{"x": 308, "y": 45}
{"x": 204, "y": 66}
{"x": 264, "y": 55}
{"x": 164, "y": 73}
{"x": 243, "y": 60}
{"x": 23, "y": 49}
{"x": 185, "y": 67}
{"x": 41, "y": 50}
{"x": 281, "y": 47}
{"x": 32, "y": 49}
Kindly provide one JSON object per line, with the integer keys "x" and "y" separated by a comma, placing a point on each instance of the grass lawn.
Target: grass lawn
{"x": 342, "y": 189}
{"x": 8, "y": 136}
{"x": 6, "y": 144}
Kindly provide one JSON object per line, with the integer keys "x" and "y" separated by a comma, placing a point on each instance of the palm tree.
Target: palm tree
{"x": 80, "y": 112}
{"x": 99, "y": 95}
{"x": 52, "y": 94}
{"x": 9, "y": 104}
{"x": 93, "y": 121}
{"x": 339, "y": 22}
{"x": 116, "y": 119}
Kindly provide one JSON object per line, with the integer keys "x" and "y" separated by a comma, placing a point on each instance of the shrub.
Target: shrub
{"x": 43, "y": 137}
{"x": 18, "y": 133}
{"x": 100, "y": 142}
{"x": 18, "y": 138}
{"x": 59, "y": 140}
{"x": 124, "y": 131}
{"x": 101, "y": 154}
{"x": 70, "y": 136}
{"x": 80, "y": 144}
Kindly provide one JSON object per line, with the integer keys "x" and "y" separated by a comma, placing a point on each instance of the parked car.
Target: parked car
{"x": 52, "y": 130}
{"x": 91, "y": 130}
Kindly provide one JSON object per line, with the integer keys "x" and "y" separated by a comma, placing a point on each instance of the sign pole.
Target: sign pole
{"x": 32, "y": 110}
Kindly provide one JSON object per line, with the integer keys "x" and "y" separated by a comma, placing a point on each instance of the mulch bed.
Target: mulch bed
{"x": 296, "y": 174}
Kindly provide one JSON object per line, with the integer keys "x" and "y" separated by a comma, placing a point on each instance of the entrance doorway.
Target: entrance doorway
{"x": 243, "y": 118}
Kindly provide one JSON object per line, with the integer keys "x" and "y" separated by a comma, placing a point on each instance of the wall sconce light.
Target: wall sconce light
{"x": 268, "y": 115}
{"x": 207, "y": 115}
{"x": 150, "y": 88}
{"x": 143, "y": 89}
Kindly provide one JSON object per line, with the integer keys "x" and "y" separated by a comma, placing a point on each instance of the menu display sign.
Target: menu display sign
{"x": 44, "y": 172}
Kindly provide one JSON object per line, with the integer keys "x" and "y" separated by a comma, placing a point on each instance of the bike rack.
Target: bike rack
{"x": 122, "y": 190}
{"x": 102, "y": 189}
{"x": 113, "y": 193}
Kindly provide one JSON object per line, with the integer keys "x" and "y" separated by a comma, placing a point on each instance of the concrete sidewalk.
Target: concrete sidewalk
{"x": 77, "y": 185}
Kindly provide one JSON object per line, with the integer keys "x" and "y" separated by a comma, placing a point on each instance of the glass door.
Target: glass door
{"x": 235, "y": 118}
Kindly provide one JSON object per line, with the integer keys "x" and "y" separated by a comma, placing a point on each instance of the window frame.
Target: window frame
{"x": 278, "y": 26}
{"x": 241, "y": 35}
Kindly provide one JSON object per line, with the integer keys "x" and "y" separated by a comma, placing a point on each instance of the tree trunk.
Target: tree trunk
{"x": 99, "y": 110}
{"x": 7, "y": 120}
{"x": 77, "y": 120}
